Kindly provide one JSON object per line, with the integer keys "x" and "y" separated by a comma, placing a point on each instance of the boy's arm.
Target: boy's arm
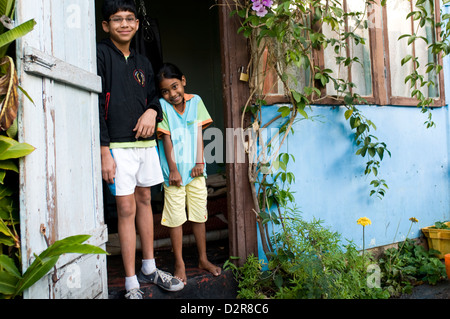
{"x": 174, "y": 176}
{"x": 107, "y": 161}
{"x": 108, "y": 165}
{"x": 146, "y": 125}
{"x": 103, "y": 99}
{"x": 199, "y": 166}
{"x": 153, "y": 96}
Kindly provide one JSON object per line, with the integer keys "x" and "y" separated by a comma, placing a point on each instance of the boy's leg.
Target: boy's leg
{"x": 173, "y": 217}
{"x": 148, "y": 175}
{"x": 123, "y": 189}
{"x": 144, "y": 221}
{"x": 176, "y": 236}
{"x": 196, "y": 195}
{"x": 126, "y": 213}
{"x": 199, "y": 231}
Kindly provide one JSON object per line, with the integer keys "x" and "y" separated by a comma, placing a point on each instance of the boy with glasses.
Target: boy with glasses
{"x": 129, "y": 112}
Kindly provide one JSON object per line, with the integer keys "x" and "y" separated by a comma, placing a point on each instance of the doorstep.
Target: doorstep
{"x": 201, "y": 284}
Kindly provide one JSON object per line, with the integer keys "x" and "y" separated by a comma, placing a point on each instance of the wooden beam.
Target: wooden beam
{"x": 242, "y": 220}
{"x": 41, "y": 64}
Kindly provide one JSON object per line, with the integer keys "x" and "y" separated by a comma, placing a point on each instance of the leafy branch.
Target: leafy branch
{"x": 419, "y": 81}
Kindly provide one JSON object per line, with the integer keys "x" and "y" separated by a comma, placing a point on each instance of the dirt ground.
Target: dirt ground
{"x": 425, "y": 291}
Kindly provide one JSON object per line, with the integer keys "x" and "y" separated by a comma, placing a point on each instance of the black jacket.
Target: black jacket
{"x": 128, "y": 90}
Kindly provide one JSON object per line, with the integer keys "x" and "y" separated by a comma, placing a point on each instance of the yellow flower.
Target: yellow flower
{"x": 414, "y": 219}
{"x": 364, "y": 221}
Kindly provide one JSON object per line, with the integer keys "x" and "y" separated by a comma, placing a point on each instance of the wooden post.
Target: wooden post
{"x": 235, "y": 55}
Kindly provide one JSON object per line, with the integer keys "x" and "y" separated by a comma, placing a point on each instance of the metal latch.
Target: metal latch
{"x": 32, "y": 56}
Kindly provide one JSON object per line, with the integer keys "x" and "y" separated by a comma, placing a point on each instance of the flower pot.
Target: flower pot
{"x": 438, "y": 239}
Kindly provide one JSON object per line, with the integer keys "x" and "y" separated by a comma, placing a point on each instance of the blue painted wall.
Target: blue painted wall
{"x": 331, "y": 185}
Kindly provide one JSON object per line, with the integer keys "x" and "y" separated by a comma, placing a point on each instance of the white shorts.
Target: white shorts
{"x": 135, "y": 167}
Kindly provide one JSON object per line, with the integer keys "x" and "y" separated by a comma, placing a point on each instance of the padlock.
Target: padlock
{"x": 244, "y": 76}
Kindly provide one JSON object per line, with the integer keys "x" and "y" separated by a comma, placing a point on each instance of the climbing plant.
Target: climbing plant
{"x": 423, "y": 78}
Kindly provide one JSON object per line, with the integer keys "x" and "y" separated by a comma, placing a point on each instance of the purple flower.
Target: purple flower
{"x": 257, "y": 5}
{"x": 261, "y": 12}
{"x": 260, "y": 7}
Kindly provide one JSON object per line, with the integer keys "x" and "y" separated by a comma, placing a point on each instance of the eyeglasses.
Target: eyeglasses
{"x": 118, "y": 20}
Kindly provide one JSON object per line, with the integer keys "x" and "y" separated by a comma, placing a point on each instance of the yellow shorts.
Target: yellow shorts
{"x": 194, "y": 196}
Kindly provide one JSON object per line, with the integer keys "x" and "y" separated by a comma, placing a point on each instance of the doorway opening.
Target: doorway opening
{"x": 190, "y": 38}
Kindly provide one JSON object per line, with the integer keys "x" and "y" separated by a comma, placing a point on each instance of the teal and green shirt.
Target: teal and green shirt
{"x": 183, "y": 131}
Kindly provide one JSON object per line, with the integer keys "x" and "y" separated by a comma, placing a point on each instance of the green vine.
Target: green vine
{"x": 424, "y": 15}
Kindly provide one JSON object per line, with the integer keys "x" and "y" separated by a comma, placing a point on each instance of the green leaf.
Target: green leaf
{"x": 9, "y": 165}
{"x": 6, "y": 7}
{"x": 5, "y": 192}
{"x": 48, "y": 258}
{"x": 71, "y": 245}
{"x": 406, "y": 59}
{"x": 284, "y": 110}
{"x": 9, "y": 148}
{"x": 303, "y": 113}
{"x": 8, "y": 264}
{"x": 284, "y": 157}
{"x": 25, "y": 93}
{"x": 4, "y": 229}
{"x": 348, "y": 113}
{"x": 9, "y": 36}
{"x": 297, "y": 96}
{"x": 375, "y": 171}
{"x": 75, "y": 249}
{"x": 412, "y": 39}
{"x": 380, "y": 152}
{"x": 7, "y": 240}
{"x": 8, "y": 283}
{"x": 278, "y": 280}
{"x": 38, "y": 269}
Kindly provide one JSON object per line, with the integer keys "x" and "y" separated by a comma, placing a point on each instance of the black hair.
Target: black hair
{"x": 169, "y": 71}
{"x": 111, "y": 7}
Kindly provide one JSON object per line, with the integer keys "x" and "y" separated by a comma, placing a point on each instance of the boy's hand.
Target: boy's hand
{"x": 197, "y": 170}
{"x": 108, "y": 165}
{"x": 175, "y": 178}
{"x": 146, "y": 124}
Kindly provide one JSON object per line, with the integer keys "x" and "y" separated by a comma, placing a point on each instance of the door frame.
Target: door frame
{"x": 242, "y": 219}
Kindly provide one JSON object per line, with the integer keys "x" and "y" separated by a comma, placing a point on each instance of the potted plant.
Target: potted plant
{"x": 438, "y": 237}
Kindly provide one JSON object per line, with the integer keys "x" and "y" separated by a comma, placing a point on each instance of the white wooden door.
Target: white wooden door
{"x": 60, "y": 183}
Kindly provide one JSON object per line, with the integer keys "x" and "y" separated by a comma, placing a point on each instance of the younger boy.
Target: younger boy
{"x": 129, "y": 112}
